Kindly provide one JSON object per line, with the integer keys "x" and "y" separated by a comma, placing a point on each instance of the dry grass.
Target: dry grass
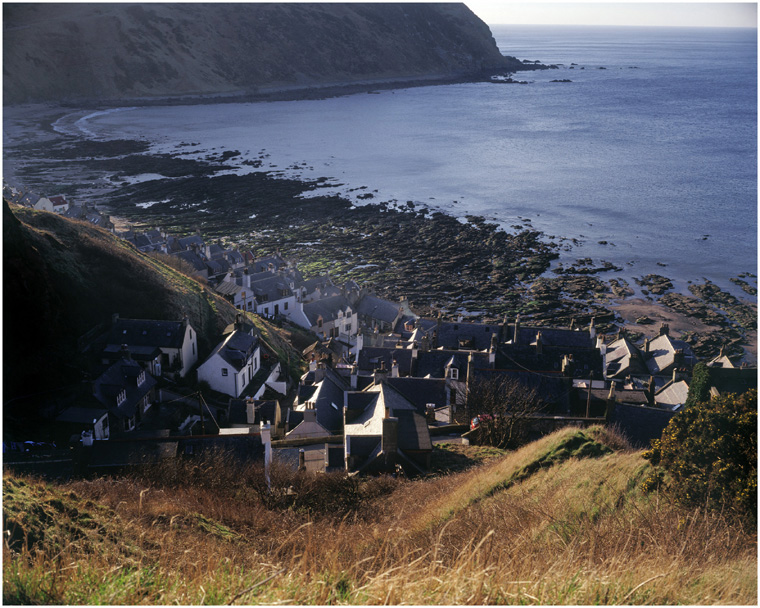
{"x": 578, "y": 531}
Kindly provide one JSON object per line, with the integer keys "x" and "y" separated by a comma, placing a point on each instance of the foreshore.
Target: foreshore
{"x": 436, "y": 261}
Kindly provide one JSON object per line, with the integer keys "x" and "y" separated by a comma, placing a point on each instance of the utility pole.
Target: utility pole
{"x": 200, "y": 406}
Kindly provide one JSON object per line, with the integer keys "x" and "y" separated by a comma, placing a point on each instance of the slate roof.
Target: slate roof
{"x": 662, "y": 353}
{"x": 371, "y": 356}
{"x": 552, "y": 389}
{"x": 526, "y": 356}
{"x": 413, "y": 432}
{"x": 188, "y": 241}
{"x": 552, "y": 336}
{"x": 143, "y": 332}
{"x": 270, "y": 289}
{"x": 673, "y": 395}
{"x": 477, "y": 336}
{"x": 328, "y": 400}
{"x": 623, "y": 359}
{"x": 138, "y": 353}
{"x": 377, "y": 308}
{"x": 327, "y": 308}
{"x": 236, "y": 349}
{"x": 433, "y": 363}
{"x": 193, "y": 259}
{"x": 122, "y": 376}
{"x": 421, "y": 391}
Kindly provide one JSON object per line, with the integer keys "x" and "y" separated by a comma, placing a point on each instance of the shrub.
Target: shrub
{"x": 708, "y": 454}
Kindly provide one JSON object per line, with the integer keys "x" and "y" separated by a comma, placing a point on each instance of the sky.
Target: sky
{"x": 683, "y": 14}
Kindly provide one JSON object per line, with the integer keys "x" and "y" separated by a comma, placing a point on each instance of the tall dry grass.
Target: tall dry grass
{"x": 577, "y": 532}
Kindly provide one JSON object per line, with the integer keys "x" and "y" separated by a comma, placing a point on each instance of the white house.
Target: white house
{"x": 232, "y": 364}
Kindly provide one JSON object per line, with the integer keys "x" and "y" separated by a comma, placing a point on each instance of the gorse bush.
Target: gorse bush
{"x": 708, "y": 454}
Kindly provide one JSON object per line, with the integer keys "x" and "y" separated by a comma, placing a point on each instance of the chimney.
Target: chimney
{"x": 592, "y": 328}
{"x": 319, "y": 373}
{"x": 611, "y": 394}
{"x": 380, "y": 374}
{"x": 651, "y": 389}
{"x": 389, "y": 442}
{"x": 124, "y": 352}
{"x": 678, "y": 358}
{"x": 301, "y": 459}
{"x": 664, "y": 329}
{"x": 646, "y": 345}
{"x": 568, "y": 366}
{"x": 310, "y": 414}
{"x": 394, "y": 368}
{"x": 250, "y": 411}
{"x": 354, "y": 377}
{"x": 516, "y": 338}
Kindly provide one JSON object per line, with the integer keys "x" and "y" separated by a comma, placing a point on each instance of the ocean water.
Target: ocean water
{"x": 656, "y": 154}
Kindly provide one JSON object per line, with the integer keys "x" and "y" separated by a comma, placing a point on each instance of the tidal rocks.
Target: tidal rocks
{"x": 654, "y": 283}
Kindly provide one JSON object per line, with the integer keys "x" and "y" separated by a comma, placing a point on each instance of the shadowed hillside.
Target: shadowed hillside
{"x": 561, "y": 521}
{"x": 62, "y": 278}
{"x": 56, "y": 52}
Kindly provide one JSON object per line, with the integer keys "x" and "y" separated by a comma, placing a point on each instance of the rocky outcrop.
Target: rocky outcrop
{"x": 75, "y": 52}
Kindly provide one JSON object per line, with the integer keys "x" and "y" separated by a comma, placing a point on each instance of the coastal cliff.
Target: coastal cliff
{"x": 100, "y": 52}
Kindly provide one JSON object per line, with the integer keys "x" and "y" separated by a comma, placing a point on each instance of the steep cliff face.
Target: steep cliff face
{"x": 72, "y": 52}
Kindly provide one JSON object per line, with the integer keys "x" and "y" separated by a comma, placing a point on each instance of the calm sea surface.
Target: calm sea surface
{"x": 655, "y": 154}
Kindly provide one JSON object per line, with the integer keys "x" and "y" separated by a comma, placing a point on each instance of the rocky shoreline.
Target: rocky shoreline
{"x": 471, "y": 268}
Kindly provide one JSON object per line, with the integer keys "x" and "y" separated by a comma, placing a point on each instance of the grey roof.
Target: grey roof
{"x": 329, "y": 401}
{"x": 421, "y": 391}
{"x": 475, "y": 336}
{"x": 413, "y": 432}
{"x": 433, "y": 363}
{"x": 215, "y": 251}
{"x": 236, "y": 349}
{"x": 270, "y": 289}
{"x": 327, "y": 308}
{"x": 552, "y": 336}
{"x": 188, "y": 241}
{"x": 228, "y": 288}
{"x": 662, "y": 354}
{"x": 144, "y": 332}
{"x": 371, "y": 356}
{"x": 192, "y": 258}
{"x": 122, "y": 376}
{"x": 622, "y": 359}
{"x": 526, "y": 356}
{"x": 377, "y": 308}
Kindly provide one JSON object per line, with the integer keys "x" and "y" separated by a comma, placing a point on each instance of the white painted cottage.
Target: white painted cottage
{"x": 232, "y": 364}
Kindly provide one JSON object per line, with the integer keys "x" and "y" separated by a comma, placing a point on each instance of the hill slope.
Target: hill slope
{"x": 63, "y": 277}
{"x": 572, "y": 528}
{"x": 57, "y": 52}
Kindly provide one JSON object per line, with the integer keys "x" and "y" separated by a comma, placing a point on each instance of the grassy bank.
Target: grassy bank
{"x": 553, "y": 523}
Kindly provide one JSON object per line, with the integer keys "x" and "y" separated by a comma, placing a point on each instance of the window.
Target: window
{"x": 193, "y": 347}
{"x": 224, "y": 371}
{"x": 285, "y": 306}
{"x": 453, "y": 373}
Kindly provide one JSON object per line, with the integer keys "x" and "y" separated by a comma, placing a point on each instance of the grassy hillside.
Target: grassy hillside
{"x": 561, "y": 521}
{"x": 62, "y": 278}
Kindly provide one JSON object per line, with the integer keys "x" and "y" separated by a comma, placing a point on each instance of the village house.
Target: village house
{"x": 162, "y": 346}
{"x": 232, "y": 364}
{"x": 385, "y": 433}
{"x": 126, "y": 390}
{"x": 332, "y": 317}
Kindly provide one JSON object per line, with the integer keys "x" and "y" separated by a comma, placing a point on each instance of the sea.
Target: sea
{"x": 646, "y": 159}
